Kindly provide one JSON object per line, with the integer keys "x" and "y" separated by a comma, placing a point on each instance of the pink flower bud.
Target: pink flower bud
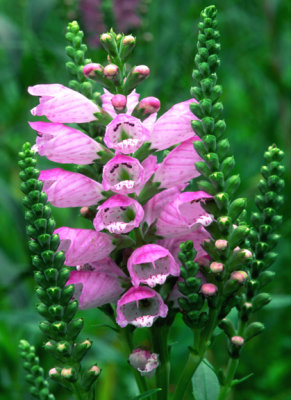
{"x": 53, "y": 372}
{"x": 88, "y": 70}
{"x": 247, "y": 253}
{"x": 67, "y": 372}
{"x": 119, "y": 102}
{"x": 239, "y": 276}
{"x": 105, "y": 36}
{"x": 110, "y": 71}
{"x": 144, "y": 361}
{"x": 216, "y": 267}
{"x": 221, "y": 244}
{"x": 95, "y": 369}
{"x": 142, "y": 70}
{"x": 238, "y": 341}
{"x": 127, "y": 40}
{"x": 150, "y": 105}
{"x": 208, "y": 289}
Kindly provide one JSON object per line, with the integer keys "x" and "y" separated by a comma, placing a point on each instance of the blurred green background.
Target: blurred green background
{"x": 255, "y": 74}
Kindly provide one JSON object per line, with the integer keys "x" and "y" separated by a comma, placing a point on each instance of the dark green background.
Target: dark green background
{"x": 255, "y": 74}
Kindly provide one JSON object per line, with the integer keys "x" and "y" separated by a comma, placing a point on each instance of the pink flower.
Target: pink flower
{"x": 123, "y": 174}
{"x": 70, "y": 189}
{"x": 61, "y": 104}
{"x": 144, "y": 361}
{"x": 183, "y": 215}
{"x": 63, "y": 144}
{"x": 83, "y": 246}
{"x": 118, "y": 214}
{"x": 173, "y": 127}
{"x": 151, "y": 264}
{"x": 140, "y": 307}
{"x": 98, "y": 285}
{"x": 125, "y": 134}
{"x": 178, "y": 166}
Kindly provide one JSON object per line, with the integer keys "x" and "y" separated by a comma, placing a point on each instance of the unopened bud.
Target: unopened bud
{"x": 119, "y": 102}
{"x": 247, "y": 253}
{"x": 144, "y": 361}
{"x": 149, "y": 105}
{"x": 239, "y": 276}
{"x": 53, "y": 372}
{"x": 110, "y": 71}
{"x": 128, "y": 40}
{"x": 216, "y": 267}
{"x": 208, "y": 289}
{"x": 142, "y": 70}
{"x": 221, "y": 244}
{"x": 105, "y": 36}
{"x": 238, "y": 341}
{"x": 89, "y": 69}
{"x": 95, "y": 370}
{"x": 254, "y": 329}
{"x": 67, "y": 372}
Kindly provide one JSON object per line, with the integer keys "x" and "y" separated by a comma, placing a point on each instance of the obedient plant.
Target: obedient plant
{"x": 167, "y": 234}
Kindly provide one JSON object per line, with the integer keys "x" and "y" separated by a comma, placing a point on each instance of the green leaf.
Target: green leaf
{"x": 205, "y": 383}
{"x": 147, "y": 394}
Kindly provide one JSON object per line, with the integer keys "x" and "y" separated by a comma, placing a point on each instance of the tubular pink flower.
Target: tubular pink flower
{"x": 178, "y": 166}
{"x": 123, "y": 174}
{"x": 183, "y": 215}
{"x": 83, "y": 246}
{"x": 99, "y": 285}
{"x": 197, "y": 237}
{"x": 63, "y": 144}
{"x": 118, "y": 214}
{"x": 70, "y": 189}
{"x": 173, "y": 127}
{"x": 61, "y": 104}
{"x": 144, "y": 361}
{"x": 140, "y": 307}
{"x": 125, "y": 134}
{"x": 151, "y": 264}
{"x": 132, "y": 101}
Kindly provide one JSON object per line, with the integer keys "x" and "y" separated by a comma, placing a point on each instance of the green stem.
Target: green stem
{"x": 195, "y": 359}
{"x": 77, "y": 392}
{"x": 160, "y": 346}
{"x": 231, "y": 370}
{"x": 140, "y": 380}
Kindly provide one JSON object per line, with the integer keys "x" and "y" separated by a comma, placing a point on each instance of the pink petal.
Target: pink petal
{"x": 154, "y": 206}
{"x": 178, "y": 166}
{"x": 173, "y": 127}
{"x": 70, "y": 189}
{"x": 63, "y": 144}
{"x": 102, "y": 285}
{"x": 83, "y": 246}
{"x": 61, "y": 104}
{"x": 183, "y": 215}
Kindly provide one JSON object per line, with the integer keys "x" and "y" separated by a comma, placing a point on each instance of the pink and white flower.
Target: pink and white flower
{"x": 70, "y": 189}
{"x": 140, "y": 307}
{"x": 125, "y": 134}
{"x": 118, "y": 214}
{"x": 61, "y": 104}
{"x": 63, "y": 144}
{"x": 123, "y": 174}
{"x": 183, "y": 215}
{"x": 151, "y": 264}
{"x": 82, "y": 246}
{"x": 144, "y": 361}
{"x": 98, "y": 284}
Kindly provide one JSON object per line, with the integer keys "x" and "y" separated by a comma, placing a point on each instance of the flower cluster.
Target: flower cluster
{"x": 139, "y": 196}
